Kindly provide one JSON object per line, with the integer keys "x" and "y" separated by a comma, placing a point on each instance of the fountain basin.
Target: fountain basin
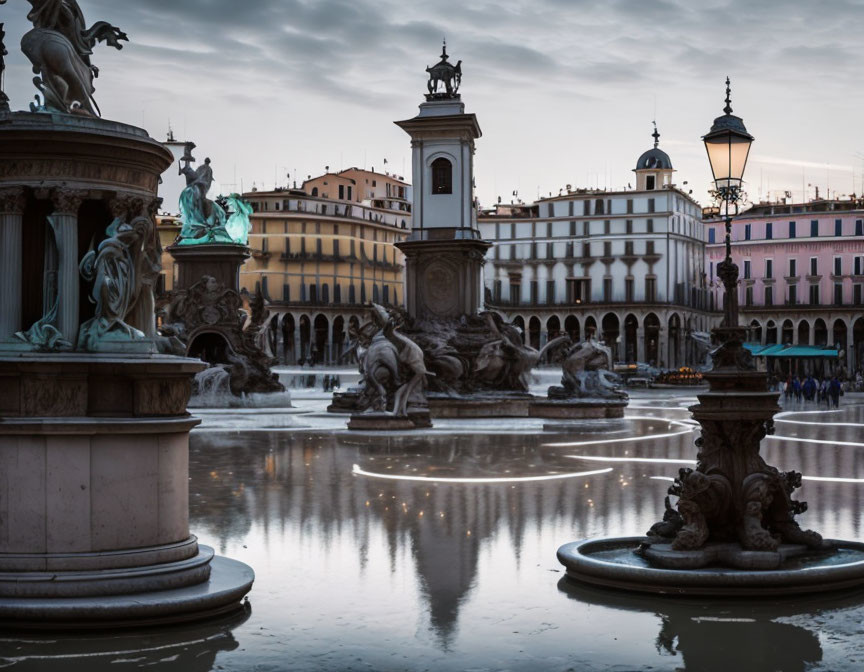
{"x": 613, "y": 563}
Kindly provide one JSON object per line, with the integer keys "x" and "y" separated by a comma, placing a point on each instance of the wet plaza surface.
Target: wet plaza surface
{"x": 436, "y": 550}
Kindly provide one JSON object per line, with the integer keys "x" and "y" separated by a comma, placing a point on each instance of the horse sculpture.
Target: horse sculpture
{"x": 59, "y": 47}
{"x": 448, "y": 75}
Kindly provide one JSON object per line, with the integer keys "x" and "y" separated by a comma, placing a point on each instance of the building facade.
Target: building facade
{"x": 321, "y": 254}
{"x": 801, "y": 269}
{"x": 628, "y": 265}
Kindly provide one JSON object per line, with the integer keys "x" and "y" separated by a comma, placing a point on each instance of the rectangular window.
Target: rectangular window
{"x": 586, "y": 228}
{"x": 651, "y": 205}
{"x": 515, "y": 293}
{"x": 651, "y": 290}
{"x": 769, "y": 296}
{"x": 838, "y": 294}
{"x": 550, "y": 292}
{"x": 496, "y": 291}
{"x": 570, "y": 208}
{"x": 857, "y": 294}
{"x": 712, "y": 235}
{"x": 747, "y": 228}
{"x": 769, "y": 268}
{"x": 607, "y": 227}
{"x": 578, "y": 290}
{"x": 793, "y": 294}
{"x": 649, "y": 248}
{"x": 629, "y": 226}
{"x": 535, "y": 292}
{"x": 748, "y": 296}
{"x": 629, "y": 206}
{"x": 814, "y": 228}
{"x": 607, "y": 290}
{"x": 650, "y": 226}
{"x": 858, "y": 266}
{"x": 838, "y": 227}
{"x": 791, "y": 229}
{"x": 859, "y": 227}
{"x": 586, "y": 250}
{"x": 793, "y": 268}
{"x": 628, "y": 290}
{"x": 607, "y": 249}
{"x": 814, "y": 295}
{"x": 341, "y": 191}
{"x": 746, "y": 269}
{"x": 814, "y": 266}
{"x": 628, "y": 248}
{"x": 711, "y": 271}
{"x": 838, "y": 266}
{"x": 769, "y": 230}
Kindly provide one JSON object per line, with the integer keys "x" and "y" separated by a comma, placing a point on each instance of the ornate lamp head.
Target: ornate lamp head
{"x": 446, "y": 75}
{"x": 728, "y": 145}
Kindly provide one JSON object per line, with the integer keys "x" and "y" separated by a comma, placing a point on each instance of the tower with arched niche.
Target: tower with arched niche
{"x": 444, "y": 254}
{"x": 654, "y": 168}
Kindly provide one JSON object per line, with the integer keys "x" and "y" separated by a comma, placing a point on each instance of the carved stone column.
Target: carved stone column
{"x": 640, "y": 344}
{"x": 65, "y": 218}
{"x": 279, "y": 353}
{"x": 11, "y": 210}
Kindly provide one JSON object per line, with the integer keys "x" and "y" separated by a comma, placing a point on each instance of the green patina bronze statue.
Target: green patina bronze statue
{"x": 204, "y": 220}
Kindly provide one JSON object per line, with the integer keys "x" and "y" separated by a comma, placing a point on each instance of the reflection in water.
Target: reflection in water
{"x": 179, "y": 648}
{"x": 459, "y": 571}
{"x": 712, "y": 635}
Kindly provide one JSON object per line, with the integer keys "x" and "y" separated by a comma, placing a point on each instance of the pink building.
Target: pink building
{"x": 801, "y": 269}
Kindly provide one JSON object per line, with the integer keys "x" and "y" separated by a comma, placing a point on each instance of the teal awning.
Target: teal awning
{"x": 806, "y": 351}
{"x": 780, "y": 350}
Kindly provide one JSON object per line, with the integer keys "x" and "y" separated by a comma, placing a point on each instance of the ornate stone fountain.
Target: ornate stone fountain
{"x": 94, "y": 518}
{"x": 478, "y": 363}
{"x": 734, "y": 529}
{"x": 203, "y": 310}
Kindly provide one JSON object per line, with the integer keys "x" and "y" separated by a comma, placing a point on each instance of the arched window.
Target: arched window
{"x": 442, "y": 176}
{"x": 314, "y": 191}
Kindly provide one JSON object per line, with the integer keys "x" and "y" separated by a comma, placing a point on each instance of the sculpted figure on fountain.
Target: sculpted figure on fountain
{"x": 59, "y": 46}
{"x": 205, "y": 220}
{"x": 123, "y": 270}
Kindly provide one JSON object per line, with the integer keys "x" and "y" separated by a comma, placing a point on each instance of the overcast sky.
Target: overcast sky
{"x": 565, "y": 90}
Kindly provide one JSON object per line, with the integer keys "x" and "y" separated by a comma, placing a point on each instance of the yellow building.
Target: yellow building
{"x": 321, "y": 254}
{"x": 168, "y": 228}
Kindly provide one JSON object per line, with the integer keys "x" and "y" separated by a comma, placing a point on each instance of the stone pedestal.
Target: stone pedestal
{"x": 94, "y": 492}
{"x": 577, "y": 409}
{"x": 380, "y": 422}
{"x": 221, "y": 261}
{"x": 443, "y": 276}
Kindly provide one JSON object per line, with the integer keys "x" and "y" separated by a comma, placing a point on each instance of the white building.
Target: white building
{"x": 628, "y": 264}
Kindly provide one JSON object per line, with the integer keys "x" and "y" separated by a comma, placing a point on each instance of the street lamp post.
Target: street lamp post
{"x": 732, "y": 501}
{"x": 728, "y": 146}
